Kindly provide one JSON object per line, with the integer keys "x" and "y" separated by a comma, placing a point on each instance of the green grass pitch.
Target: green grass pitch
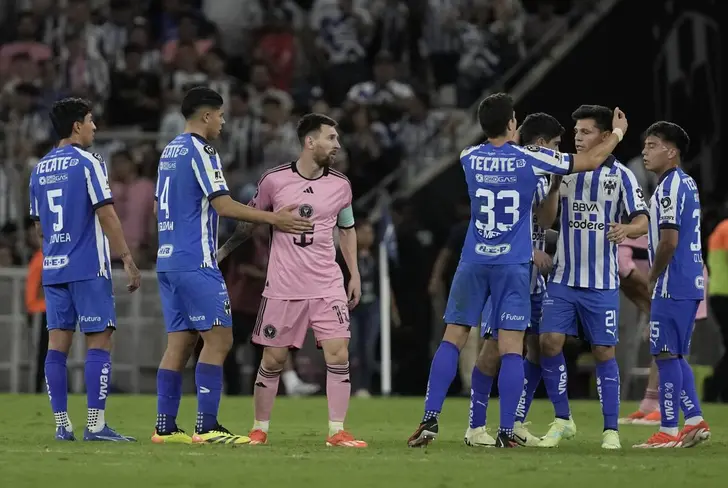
{"x": 297, "y": 456}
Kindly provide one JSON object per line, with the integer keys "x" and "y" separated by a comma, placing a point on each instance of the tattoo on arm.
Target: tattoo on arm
{"x": 242, "y": 233}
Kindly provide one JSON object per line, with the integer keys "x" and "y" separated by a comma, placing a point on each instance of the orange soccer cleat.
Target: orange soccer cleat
{"x": 660, "y": 439}
{"x": 343, "y": 439}
{"x": 641, "y": 418}
{"x": 258, "y": 437}
{"x": 692, "y": 435}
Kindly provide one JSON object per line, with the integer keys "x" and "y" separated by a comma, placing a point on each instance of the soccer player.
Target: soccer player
{"x": 676, "y": 278}
{"x": 74, "y": 215}
{"x": 191, "y": 194}
{"x": 585, "y": 281}
{"x": 496, "y": 260}
{"x": 541, "y": 130}
{"x": 304, "y": 284}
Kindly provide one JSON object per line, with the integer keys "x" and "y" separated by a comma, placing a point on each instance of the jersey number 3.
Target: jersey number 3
{"x": 508, "y": 213}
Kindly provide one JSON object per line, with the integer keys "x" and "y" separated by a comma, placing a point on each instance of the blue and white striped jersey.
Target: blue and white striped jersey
{"x": 502, "y": 182}
{"x": 538, "y": 284}
{"x": 188, "y": 178}
{"x": 66, "y": 187}
{"x": 676, "y": 205}
{"x": 585, "y": 257}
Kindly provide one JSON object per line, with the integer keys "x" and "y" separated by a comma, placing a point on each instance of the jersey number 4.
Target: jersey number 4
{"x": 164, "y": 198}
{"x": 508, "y": 203}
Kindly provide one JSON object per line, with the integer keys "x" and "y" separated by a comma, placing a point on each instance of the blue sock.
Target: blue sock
{"x": 169, "y": 394}
{"x": 208, "y": 378}
{"x": 689, "y": 401}
{"x": 555, "y": 378}
{"x": 510, "y": 387}
{"x": 608, "y": 390}
{"x": 442, "y": 372}
{"x": 532, "y": 374}
{"x": 671, "y": 379}
{"x": 56, "y": 375}
{"x": 98, "y": 378}
{"x": 481, "y": 385}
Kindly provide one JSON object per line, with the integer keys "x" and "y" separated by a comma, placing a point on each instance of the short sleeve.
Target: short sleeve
{"x": 263, "y": 198}
{"x": 632, "y": 197}
{"x": 542, "y": 190}
{"x": 626, "y": 261}
{"x": 97, "y": 180}
{"x": 545, "y": 161}
{"x": 34, "y": 213}
{"x": 669, "y": 202}
{"x": 208, "y": 170}
{"x": 156, "y": 187}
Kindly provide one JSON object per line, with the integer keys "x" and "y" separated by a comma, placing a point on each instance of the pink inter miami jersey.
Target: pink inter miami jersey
{"x": 627, "y": 262}
{"x": 303, "y": 266}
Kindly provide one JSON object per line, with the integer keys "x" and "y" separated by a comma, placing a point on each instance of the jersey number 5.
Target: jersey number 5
{"x": 509, "y": 213}
{"x": 56, "y": 208}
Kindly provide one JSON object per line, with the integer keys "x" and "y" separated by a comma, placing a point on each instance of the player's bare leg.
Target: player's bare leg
{"x": 442, "y": 373}
{"x": 648, "y": 412}
{"x": 56, "y": 376}
{"x": 180, "y": 346}
{"x": 484, "y": 371}
{"x": 338, "y": 392}
{"x": 555, "y": 378}
{"x": 208, "y": 377}
{"x": 265, "y": 391}
{"x": 608, "y": 391}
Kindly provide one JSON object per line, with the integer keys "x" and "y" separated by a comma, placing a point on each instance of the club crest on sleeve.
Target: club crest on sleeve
{"x": 533, "y": 148}
{"x": 666, "y": 202}
{"x": 98, "y": 156}
{"x": 209, "y": 150}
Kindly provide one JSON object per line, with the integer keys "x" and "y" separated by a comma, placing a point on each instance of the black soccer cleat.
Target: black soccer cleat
{"x": 425, "y": 433}
{"x": 505, "y": 441}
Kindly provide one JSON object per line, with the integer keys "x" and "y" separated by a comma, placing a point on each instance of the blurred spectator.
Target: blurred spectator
{"x": 134, "y": 99}
{"x": 6, "y": 255}
{"x": 25, "y": 42}
{"x": 23, "y": 69}
{"x": 541, "y": 23}
{"x": 260, "y": 86}
{"x": 217, "y": 79}
{"x": 139, "y": 36}
{"x": 83, "y": 72}
{"x": 242, "y": 140}
{"x": 36, "y": 307}
{"x": 280, "y": 141}
{"x": 75, "y": 20}
{"x": 187, "y": 33}
{"x": 278, "y": 47}
{"x": 114, "y": 33}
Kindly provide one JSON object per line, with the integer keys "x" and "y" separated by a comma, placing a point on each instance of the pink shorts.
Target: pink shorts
{"x": 284, "y": 323}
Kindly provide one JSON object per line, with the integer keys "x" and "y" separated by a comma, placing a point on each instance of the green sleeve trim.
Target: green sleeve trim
{"x": 346, "y": 218}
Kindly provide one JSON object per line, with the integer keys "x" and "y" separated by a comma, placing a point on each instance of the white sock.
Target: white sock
{"x": 95, "y": 421}
{"x": 694, "y": 420}
{"x": 335, "y": 427}
{"x": 290, "y": 380}
{"x": 669, "y": 430}
{"x": 62, "y": 420}
{"x": 261, "y": 425}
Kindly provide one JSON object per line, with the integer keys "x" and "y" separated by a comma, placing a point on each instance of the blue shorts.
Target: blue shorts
{"x": 194, "y": 300}
{"x": 596, "y": 310}
{"x": 507, "y": 286}
{"x": 671, "y": 325}
{"x": 88, "y": 303}
{"x": 533, "y": 326}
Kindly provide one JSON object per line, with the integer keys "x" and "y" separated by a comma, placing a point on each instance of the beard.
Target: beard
{"x": 325, "y": 160}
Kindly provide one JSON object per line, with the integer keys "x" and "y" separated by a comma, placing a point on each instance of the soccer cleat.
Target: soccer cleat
{"x": 523, "y": 436}
{"x": 63, "y": 434}
{"x": 503, "y": 440}
{"x": 219, "y": 435}
{"x": 425, "y": 433}
{"x": 610, "y": 440}
{"x": 304, "y": 389}
{"x": 692, "y": 435}
{"x": 178, "y": 436}
{"x": 659, "y": 440}
{"x": 106, "y": 434}
{"x": 258, "y": 437}
{"x": 343, "y": 439}
{"x": 652, "y": 418}
{"x": 478, "y": 437}
{"x": 632, "y": 418}
{"x": 559, "y": 429}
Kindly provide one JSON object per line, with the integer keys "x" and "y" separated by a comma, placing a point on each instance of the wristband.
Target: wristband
{"x": 619, "y": 133}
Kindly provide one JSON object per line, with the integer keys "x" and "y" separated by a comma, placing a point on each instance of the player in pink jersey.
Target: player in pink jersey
{"x": 634, "y": 267}
{"x": 304, "y": 285}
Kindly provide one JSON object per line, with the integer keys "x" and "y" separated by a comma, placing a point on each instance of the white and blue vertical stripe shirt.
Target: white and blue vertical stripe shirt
{"x": 585, "y": 257}
{"x": 538, "y": 284}
{"x": 675, "y": 204}
{"x": 189, "y": 177}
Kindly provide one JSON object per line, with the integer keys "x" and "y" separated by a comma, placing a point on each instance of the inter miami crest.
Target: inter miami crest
{"x": 269, "y": 332}
{"x": 306, "y": 238}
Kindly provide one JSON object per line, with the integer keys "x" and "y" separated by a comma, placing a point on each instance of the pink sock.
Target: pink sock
{"x": 266, "y": 389}
{"x": 650, "y": 402}
{"x": 338, "y": 390}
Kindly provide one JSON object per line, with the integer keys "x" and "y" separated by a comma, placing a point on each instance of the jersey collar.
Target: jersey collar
{"x": 198, "y": 136}
{"x": 609, "y": 162}
{"x": 666, "y": 174}
{"x": 295, "y": 170}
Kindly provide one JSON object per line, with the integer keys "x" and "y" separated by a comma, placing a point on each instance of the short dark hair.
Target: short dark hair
{"x": 539, "y": 125}
{"x": 312, "y": 122}
{"x": 198, "y": 97}
{"x": 670, "y": 132}
{"x": 601, "y": 115}
{"x": 494, "y": 114}
{"x": 64, "y": 113}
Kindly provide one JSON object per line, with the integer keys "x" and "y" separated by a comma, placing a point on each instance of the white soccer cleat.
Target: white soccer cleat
{"x": 478, "y": 437}
{"x": 559, "y": 429}
{"x": 610, "y": 440}
{"x": 523, "y": 436}
{"x": 304, "y": 389}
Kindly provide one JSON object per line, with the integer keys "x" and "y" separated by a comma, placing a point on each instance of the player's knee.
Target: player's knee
{"x": 510, "y": 342}
{"x": 274, "y": 358}
{"x": 665, "y": 355}
{"x": 603, "y": 353}
{"x": 218, "y": 340}
{"x": 551, "y": 344}
{"x": 100, "y": 340}
{"x": 488, "y": 358}
{"x": 456, "y": 334}
{"x": 533, "y": 349}
{"x": 336, "y": 351}
{"x": 60, "y": 340}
